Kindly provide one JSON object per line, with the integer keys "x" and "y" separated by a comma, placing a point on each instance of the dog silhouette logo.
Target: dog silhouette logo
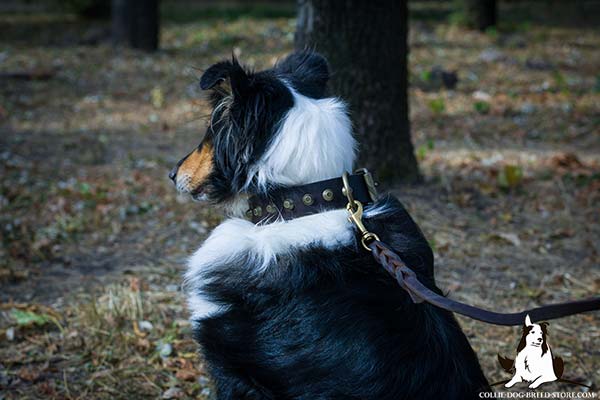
{"x": 535, "y": 363}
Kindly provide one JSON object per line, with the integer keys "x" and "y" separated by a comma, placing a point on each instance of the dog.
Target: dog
{"x": 296, "y": 308}
{"x": 534, "y": 362}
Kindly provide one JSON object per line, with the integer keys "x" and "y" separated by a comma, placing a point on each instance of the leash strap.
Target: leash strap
{"x": 407, "y": 279}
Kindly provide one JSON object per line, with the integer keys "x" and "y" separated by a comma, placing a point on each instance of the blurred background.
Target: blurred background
{"x": 483, "y": 117}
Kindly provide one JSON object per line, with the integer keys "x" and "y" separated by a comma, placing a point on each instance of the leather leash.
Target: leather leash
{"x": 407, "y": 279}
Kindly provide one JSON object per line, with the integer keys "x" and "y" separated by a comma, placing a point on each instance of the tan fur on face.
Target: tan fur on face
{"x": 196, "y": 167}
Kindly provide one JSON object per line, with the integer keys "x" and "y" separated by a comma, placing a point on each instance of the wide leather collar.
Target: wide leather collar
{"x": 297, "y": 201}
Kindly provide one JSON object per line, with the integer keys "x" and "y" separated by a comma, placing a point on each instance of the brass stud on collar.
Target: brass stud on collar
{"x": 249, "y": 213}
{"x": 327, "y": 195}
{"x": 271, "y": 208}
{"x": 307, "y": 200}
{"x": 257, "y": 211}
{"x": 288, "y": 204}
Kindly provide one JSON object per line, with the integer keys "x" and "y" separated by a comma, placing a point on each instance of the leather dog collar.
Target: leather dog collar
{"x": 297, "y": 201}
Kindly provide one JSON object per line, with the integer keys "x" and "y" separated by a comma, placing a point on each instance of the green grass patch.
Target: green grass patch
{"x": 482, "y": 107}
{"x": 437, "y": 106}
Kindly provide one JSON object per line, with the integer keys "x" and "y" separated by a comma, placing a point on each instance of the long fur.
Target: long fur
{"x": 329, "y": 323}
{"x": 313, "y": 143}
{"x": 297, "y": 309}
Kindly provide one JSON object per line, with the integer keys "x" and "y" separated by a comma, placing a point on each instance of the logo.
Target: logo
{"x": 535, "y": 363}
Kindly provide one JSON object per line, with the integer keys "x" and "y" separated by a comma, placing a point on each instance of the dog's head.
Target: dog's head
{"x": 534, "y": 335}
{"x": 269, "y": 128}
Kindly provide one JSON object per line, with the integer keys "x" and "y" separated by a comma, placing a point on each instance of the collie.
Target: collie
{"x": 289, "y": 305}
{"x": 534, "y": 363}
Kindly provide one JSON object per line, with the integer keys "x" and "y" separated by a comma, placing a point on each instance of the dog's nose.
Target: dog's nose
{"x": 539, "y": 339}
{"x": 173, "y": 173}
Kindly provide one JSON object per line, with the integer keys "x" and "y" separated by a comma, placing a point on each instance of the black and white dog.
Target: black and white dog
{"x": 295, "y": 308}
{"x": 535, "y": 362}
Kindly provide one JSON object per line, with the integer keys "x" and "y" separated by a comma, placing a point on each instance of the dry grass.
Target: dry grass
{"x": 128, "y": 342}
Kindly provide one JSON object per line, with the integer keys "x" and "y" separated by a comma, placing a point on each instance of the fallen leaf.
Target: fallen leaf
{"x": 510, "y": 176}
{"x": 28, "y": 374}
{"x": 186, "y": 374}
{"x": 565, "y": 160}
{"x": 158, "y": 98}
{"x": 143, "y": 344}
{"x": 27, "y": 318}
{"x": 512, "y": 238}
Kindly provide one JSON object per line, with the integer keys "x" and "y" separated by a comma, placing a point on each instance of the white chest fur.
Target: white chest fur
{"x": 531, "y": 363}
{"x": 236, "y": 237}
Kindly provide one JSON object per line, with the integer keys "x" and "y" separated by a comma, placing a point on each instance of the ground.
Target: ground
{"x": 94, "y": 237}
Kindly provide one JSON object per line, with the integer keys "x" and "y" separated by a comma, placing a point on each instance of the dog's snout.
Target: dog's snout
{"x": 539, "y": 339}
{"x": 173, "y": 173}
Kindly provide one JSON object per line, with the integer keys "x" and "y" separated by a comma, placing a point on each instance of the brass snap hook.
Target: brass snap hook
{"x": 355, "y": 211}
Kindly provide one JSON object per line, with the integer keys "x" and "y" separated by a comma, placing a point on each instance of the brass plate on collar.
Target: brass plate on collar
{"x": 369, "y": 181}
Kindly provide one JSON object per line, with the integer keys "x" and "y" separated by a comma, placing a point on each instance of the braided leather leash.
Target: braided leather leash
{"x": 407, "y": 279}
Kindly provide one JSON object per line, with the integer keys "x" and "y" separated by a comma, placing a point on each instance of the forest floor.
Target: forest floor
{"x": 94, "y": 237}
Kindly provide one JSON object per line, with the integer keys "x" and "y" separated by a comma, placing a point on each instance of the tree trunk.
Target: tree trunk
{"x": 91, "y": 9}
{"x": 366, "y": 45}
{"x": 480, "y": 14}
{"x": 135, "y": 23}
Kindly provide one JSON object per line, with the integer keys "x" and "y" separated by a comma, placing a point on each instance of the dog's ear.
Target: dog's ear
{"x": 307, "y": 71}
{"x": 215, "y": 75}
{"x": 223, "y": 71}
{"x": 528, "y": 320}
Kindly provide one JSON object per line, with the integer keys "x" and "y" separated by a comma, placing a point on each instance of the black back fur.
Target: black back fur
{"x": 331, "y": 324}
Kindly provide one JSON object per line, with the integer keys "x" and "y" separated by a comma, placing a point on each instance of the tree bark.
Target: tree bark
{"x": 135, "y": 23}
{"x": 480, "y": 14}
{"x": 366, "y": 45}
{"x": 93, "y": 9}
